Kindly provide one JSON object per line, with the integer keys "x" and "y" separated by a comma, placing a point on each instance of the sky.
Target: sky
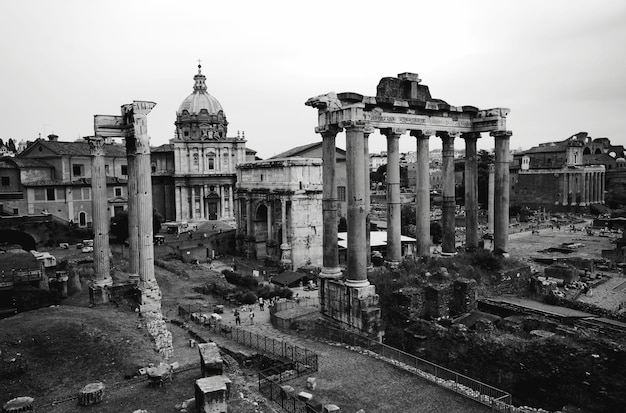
{"x": 558, "y": 65}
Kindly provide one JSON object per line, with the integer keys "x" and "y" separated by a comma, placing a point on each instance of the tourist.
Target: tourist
{"x": 251, "y": 317}
{"x": 237, "y": 318}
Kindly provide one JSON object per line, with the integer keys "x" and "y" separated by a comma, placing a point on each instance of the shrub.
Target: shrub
{"x": 248, "y": 297}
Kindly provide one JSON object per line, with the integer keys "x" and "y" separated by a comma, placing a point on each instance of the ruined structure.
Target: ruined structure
{"x": 279, "y": 215}
{"x": 132, "y": 126}
{"x": 401, "y": 105}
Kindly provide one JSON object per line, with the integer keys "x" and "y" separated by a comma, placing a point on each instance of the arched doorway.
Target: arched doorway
{"x": 82, "y": 219}
{"x": 212, "y": 205}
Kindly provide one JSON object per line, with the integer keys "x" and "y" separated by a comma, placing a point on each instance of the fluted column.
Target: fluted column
{"x": 231, "y": 211}
{"x": 330, "y": 258}
{"x": 447, "y": 172}
{"x": 249, "y": 215}
{"x": 422, "y": 193}
{"x": 583, "y": 190}
{"x": 283, "y": 220}
{"x": 133, "y": 229}
{"x": 491, "y": 197}
{"x": 357, "y": 263}
{"x": 100, "y": 217}
{"x": 572, "y": 188}
{"x": 501, "y": 218}
{"x": 471, "y": 190}
{"x": 140, "y": 142}
{"x": 565, "y": 188}
{"x": 394, "y": 206}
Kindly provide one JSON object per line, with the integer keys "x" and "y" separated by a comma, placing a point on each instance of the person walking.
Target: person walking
{"x": 237, "y": 318}
{"x": 251, "y": 317}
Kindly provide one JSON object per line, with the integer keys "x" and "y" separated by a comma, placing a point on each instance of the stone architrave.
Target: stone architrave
{"x": 99, "y": 211}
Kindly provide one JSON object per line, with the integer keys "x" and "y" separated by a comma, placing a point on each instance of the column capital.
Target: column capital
{"x": 468, "y": 136}
{"x": 96, "y": 145}
{"x": 422, "y": 133}
{"x": 447, "y": 134}
{"x": 501, "y": 134}
{"x": 389, "y": 132}
{"x": 354, "y": 125}
{"x": 328, "y": 131}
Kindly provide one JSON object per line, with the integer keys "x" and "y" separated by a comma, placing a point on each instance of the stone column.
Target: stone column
{"x": 249, "y": 215}
{"x": 583, "y": 190}
{"x": 269, "y": 220}
{"x": 177, "y": 194}
{"x": 133, "y": 229}
{"x": 357, "y": 263}
{"x": 565, "y": 188}
{"x": 502, "y": 186}
{"x": 231, "y": 211}
{"x": 99, "y": 213}
{"x": 572, "y": 188}
{"x": 285, "y": 248}
{"x": 491, "y": 197}
{"x": 394, "y": 206}
{"x": 587, "y": 188}
{"x": 330, "y": 259}
{"x": 368, "y": 188}
{"x": 596, "y": 188}
{"x": 471, "y": 191}
{"x": 602, "y": 186}
{"x": 422, "y": 193}
{"x": 447, "y": 172}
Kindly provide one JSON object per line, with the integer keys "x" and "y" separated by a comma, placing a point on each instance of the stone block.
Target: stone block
{"x": 304, "y": 396}
{"x": 210, "y": 395}
{"x": 18, "y": 405}
{"x": 175, "y": 365}
{"x": 286, "y": 389}
{"x": 311, "y": 383}
{"x": 331, "y": 408}
{"x": 211, "y": 363}
{"x": 98, "y": 295}
{"x": 91, "y": 394}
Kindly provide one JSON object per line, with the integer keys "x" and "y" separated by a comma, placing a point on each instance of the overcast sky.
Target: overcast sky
{"x": 558, "y": 65}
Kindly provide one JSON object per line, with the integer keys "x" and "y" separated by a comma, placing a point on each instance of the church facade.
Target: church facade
{"x": 194, "y": 176}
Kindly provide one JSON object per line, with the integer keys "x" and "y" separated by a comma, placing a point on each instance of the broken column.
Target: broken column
{"x": 422, "y": 193}
{"x": 138, "y": 143}
{"x": 98, "y": 293}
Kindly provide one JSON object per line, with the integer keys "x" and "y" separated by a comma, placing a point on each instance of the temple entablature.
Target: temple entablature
{"x": 404, "y": 103}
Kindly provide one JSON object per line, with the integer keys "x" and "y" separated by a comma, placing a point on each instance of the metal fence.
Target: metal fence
{"x": 499, "y": 400}
{"x": 271, "y": 388}
{"x": 260, "y": 342}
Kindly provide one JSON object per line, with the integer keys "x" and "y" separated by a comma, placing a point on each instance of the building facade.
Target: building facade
{"x": 279, "y": 217}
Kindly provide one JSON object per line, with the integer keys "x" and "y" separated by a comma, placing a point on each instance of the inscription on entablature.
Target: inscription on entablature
{"x": 418, "y": 120}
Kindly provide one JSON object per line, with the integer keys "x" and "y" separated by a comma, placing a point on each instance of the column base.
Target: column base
{"x": 355, "y": 309}
{"x": 105, "y": 282}
{"x": 134, "y": 278}
{"x": 357, "y": 283}
{"x": 98, "y": 295}
{"x": 331, "y": 273}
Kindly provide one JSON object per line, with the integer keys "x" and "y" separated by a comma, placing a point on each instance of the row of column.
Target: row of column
{"x": 358, "y": 190}
{"x": 187, "y": 196}
{"x": 581, "y": 188}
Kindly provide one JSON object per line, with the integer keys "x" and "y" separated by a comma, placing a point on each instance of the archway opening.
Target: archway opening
{"x": 12, "y": 237}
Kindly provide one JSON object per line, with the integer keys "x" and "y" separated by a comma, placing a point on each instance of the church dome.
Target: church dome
{"x": 200, "y": 98}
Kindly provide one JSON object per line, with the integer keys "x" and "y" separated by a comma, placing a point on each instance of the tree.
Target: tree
{"x": 11, "y": 146}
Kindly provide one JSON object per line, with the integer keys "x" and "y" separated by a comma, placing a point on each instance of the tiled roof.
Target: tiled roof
{"x": 77, "y": 182}
{"x": 167, "y": 147}
{"x": 79, "y": 148}
{"x": 27, "y": 162}
{"x": 299, "y": 150}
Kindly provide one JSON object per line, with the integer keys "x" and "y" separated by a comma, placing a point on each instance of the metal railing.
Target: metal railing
{"x": 271, "y": 388}
{"x": 260, "y": 342}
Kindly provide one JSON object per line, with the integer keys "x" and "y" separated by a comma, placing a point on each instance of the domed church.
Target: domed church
{"x": 194, "y": 176}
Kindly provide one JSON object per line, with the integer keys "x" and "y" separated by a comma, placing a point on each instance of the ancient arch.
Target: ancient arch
{"x": 12, "y": 237}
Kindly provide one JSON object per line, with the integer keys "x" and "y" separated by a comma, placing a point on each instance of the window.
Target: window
{"x": 117, "y": 191}
{"x": 81, "y": 194}
{"x": 6, "y": 181}
{"x": 211, "y": 163}
{"x": 77, "y": 169}
{"x": 124, "y": 169}
{"x": 50, "y": 194}
{"x": 153, "y": 167}
{"x": 341, "y": 193}
{"x": 40, "y": 194}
